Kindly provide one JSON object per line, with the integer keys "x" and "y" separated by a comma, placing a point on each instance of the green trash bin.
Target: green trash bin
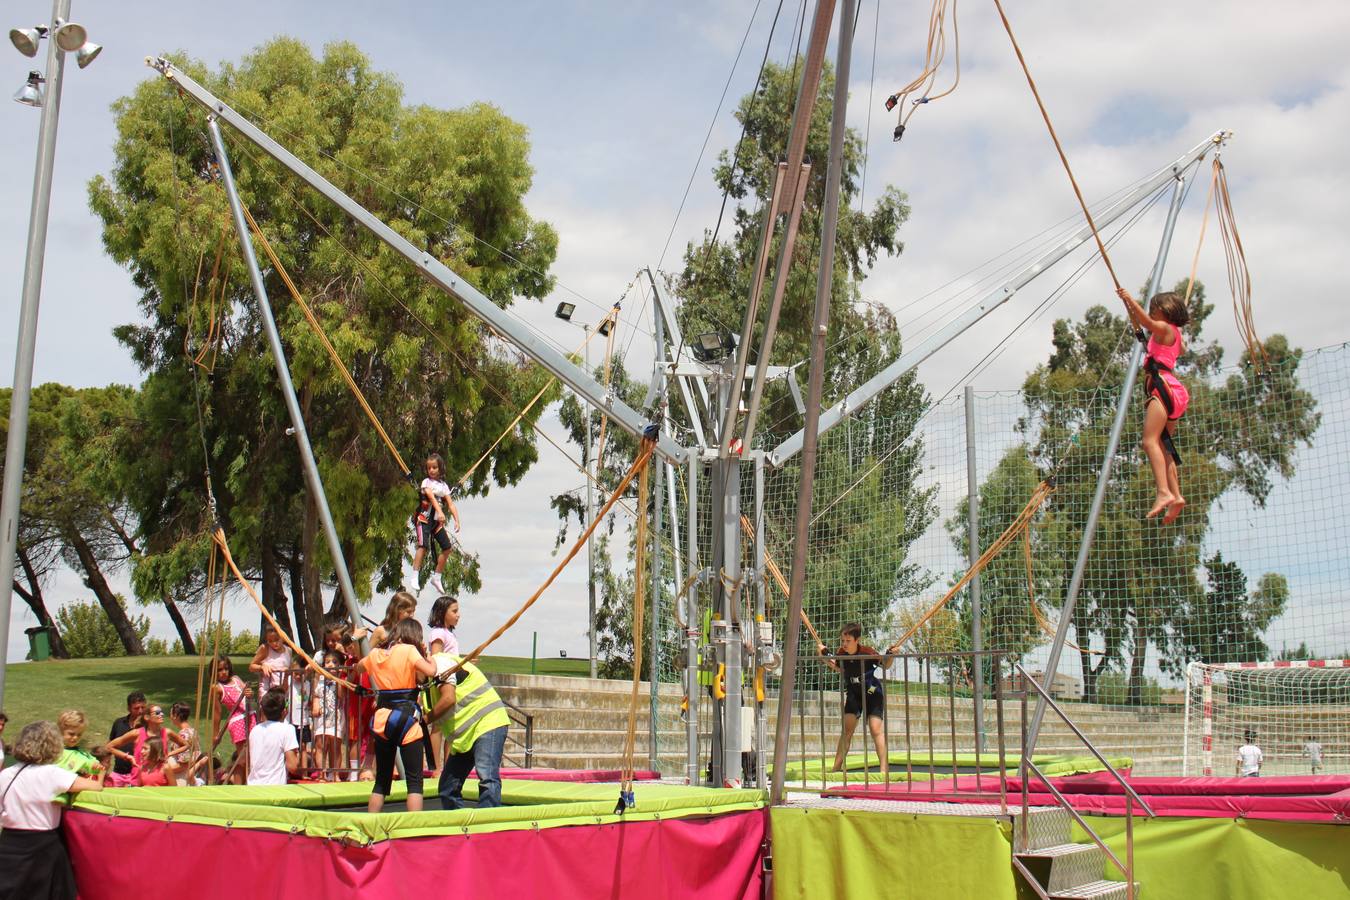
{"x": 39, "y": 643}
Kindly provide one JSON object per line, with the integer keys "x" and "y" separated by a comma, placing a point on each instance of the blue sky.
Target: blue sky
{"x": 618, "y": 99}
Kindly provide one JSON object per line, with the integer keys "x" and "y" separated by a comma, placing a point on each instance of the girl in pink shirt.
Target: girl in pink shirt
{"x": 1166, "y": 397}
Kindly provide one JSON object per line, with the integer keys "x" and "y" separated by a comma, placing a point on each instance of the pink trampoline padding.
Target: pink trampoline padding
{"x": 1316, "y": 798}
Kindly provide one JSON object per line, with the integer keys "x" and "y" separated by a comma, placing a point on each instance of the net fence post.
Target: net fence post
{"x": 972, "y": 555}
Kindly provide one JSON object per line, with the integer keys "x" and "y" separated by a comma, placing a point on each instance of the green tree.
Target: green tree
{"x": 73, "y": 509}
{"x": 1240, "y": 433}
{"x": 858, "y": 567}
{"x": 867, "y": 469}
{"x": 1228, "y": 624}
{"x": 88, "y": 632}
{"x": 450, "y": 181}
{"x": 38, "y": 545}
{"x": 1008, "y": 621}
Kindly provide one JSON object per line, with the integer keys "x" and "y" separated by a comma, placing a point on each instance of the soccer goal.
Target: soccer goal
{"x": 1296, "y": 711}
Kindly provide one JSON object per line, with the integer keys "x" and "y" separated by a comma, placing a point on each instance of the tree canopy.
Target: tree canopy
{"x": 449, "y": 180}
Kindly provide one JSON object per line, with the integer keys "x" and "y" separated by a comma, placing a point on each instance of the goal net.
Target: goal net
{"x": 1296, "y": 711}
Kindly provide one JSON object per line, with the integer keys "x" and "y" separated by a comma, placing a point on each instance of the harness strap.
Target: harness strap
{"x": 1155, "y": 386}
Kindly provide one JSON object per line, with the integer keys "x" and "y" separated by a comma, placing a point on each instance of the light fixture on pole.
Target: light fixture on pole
{"x": 85, "y": 55}
{"x": 564, "y": 311}
{"x": 70, "y": 36}
{"x": 42, "y": 90}
{"x": 31, "y": 94}
{"x": 25, "y": 40}
{"x": 713, "y": 346}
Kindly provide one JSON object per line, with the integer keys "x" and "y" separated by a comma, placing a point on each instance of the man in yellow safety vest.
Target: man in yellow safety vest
{"x": 473, "y": 719}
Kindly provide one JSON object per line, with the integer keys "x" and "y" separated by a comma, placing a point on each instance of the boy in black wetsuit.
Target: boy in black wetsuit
{"x": 863, "y": 692}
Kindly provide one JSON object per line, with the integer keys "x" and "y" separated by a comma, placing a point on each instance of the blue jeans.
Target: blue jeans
{"x": 486, "y": 757}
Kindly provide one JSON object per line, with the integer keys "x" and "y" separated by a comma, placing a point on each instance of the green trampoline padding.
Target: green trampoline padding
{"x": 307, "y": 809}
{"x": 921, "y": 767}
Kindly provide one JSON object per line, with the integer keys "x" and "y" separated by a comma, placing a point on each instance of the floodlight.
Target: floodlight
{"x": 604, "y": 327}
{"x": 25, "y": 40}
{"x": 31, "y": 94}
{"x": 85, "y": 55}
{"x": 565, "y": 310}
{"x": 712, "y": 346}
{"x": 71, "y": 36}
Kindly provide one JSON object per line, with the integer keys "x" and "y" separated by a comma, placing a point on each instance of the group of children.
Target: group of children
{"x": 329, "y": 722}
{"x": 303, "y": 724}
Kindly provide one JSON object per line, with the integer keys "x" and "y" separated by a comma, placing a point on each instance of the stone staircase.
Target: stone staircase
{"x": 580, "y": 724}
{"x": 1055, "y": 867}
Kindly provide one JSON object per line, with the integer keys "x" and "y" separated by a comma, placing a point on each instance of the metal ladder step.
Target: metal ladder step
{"x": 1066, "y": 866}
{"x": 1094, "y": 890}
{"x": 1045, "y": 828}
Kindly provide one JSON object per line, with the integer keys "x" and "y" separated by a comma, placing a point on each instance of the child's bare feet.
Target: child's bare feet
{"x": 1160, "y": 503}
{"x": 1174, "y": 510}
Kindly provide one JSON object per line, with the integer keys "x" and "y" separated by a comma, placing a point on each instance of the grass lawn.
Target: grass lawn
{"x": 100, "y": 686}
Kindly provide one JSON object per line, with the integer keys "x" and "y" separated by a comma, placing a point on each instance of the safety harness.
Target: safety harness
{"x": 1156, "y": 386}
{"x": 404, "y": 713}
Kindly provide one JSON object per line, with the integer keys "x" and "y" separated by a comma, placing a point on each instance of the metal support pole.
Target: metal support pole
{"x": 308, "y": 465}
{"x": 1104, "y": 477}
{"x": 972, "y": 555}
{"x": 866, "y": 392}
{"x": 734, "y": 634}
{"x": 478, "y": 304}
{"x": 658, "y": 498}
{"x": 591, "y": 471}
{"x": 762, "y": 647}
{"x": 815, "y": 388}
{"x": 691, "y": 627}
{"x": 16, "y": 443}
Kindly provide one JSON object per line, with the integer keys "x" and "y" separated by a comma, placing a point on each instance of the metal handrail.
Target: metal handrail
{"x": 1077, "y": 817}
{"x": 1027, "y": 679}
{"x": 1028, "y": 767}
{"x": 526, "y": 721}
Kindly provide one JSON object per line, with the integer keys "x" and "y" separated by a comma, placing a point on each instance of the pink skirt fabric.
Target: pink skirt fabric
{"x": 1181, "y": 398}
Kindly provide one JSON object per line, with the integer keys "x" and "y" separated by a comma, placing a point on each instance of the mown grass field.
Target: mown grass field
{"x": 100, "y": 686}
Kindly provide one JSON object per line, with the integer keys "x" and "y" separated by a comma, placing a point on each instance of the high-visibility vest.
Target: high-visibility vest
{"x": 477, "y": 710}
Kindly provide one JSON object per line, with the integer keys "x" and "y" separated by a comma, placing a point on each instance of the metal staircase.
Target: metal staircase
{"x": 1050, "y": 863}
{"x": 1054, "y": 866}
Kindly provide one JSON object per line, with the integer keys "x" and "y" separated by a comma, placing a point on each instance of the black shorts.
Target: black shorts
{"x": 853, "y": 702}
{"x": 303, "y": 733}
{"x": 432, "y": 531}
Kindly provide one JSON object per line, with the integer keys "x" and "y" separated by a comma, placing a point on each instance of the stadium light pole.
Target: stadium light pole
{"x": 564, "y": 312}
{"x": 43, "y": 91}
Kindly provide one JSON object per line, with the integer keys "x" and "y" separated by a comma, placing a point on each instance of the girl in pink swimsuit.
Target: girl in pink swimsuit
{"x": 231, "y": 698}
{"x": 1166, "y": 397}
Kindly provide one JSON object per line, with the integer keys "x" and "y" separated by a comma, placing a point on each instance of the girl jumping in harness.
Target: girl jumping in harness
{"x": 1163, "y": 322}
{"x": 433, "y": 504}
{"x": 398, "y": 726}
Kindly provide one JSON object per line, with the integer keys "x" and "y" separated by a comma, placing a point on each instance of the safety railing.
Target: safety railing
{"x": 924, "y": 719}
{"x": 526, "y": 744}
{"x": 1029, "y": 768}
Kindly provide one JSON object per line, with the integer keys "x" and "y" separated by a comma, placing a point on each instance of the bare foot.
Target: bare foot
{"x": 1160, "y": 503}
{"x": 1174, "y": 510}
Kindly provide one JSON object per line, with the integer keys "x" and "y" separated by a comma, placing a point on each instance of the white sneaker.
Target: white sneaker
{"x": 411, "y": 587}
{"x": 435, "y": 582}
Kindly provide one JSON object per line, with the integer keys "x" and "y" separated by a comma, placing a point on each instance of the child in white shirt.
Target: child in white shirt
{"x": 1248, "y": 757}
{"x": 434, "y": 504}
{"x": 272, "y": 746}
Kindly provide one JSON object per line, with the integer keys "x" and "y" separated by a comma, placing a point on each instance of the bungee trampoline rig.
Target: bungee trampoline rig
{"x": 710, "y": 836}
